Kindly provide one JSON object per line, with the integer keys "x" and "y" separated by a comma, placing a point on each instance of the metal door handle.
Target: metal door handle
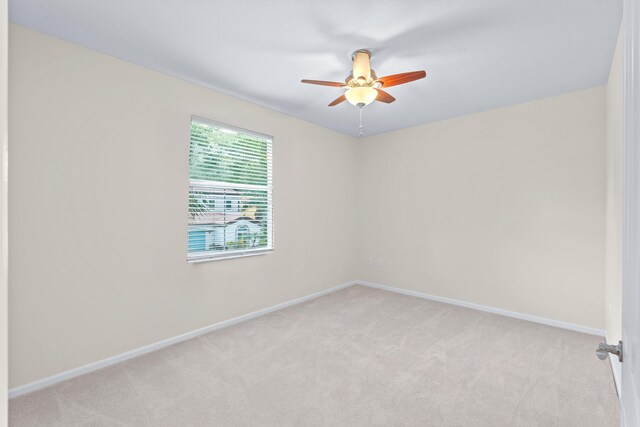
{"x": 604, "y": 350}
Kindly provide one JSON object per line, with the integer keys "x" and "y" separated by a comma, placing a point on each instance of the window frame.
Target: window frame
{"x": 194, "y": 257}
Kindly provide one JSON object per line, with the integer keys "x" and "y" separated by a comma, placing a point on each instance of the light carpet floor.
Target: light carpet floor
{"x": 356, "y": 357}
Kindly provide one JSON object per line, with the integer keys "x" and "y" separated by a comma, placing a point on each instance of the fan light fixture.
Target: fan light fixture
{"x": 361, "y": 96}
{"x": 363, "y": 85}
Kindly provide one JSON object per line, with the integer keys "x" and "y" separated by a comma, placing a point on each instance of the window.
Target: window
{"x": 230, "y": 192}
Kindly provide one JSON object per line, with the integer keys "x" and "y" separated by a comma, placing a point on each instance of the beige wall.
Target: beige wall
{"x": 3, "y": 209}
{"x": 614, "y": 197}
{"x": 98, "y": 209}
{"x": 503, "y": 208}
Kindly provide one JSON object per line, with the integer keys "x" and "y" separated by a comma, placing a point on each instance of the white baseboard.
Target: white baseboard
{"x": 500, "y": 311}
{"x": 54, "y": 379}
{"x": 616, "y": 367}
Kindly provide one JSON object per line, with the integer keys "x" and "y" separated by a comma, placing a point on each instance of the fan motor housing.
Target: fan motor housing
{"x": 351, "y": 82}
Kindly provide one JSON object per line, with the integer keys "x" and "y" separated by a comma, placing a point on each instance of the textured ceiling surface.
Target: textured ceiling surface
{"x": 478, "y": 54}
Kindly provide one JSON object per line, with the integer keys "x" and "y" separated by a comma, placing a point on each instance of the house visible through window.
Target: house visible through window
{"x": 230, "y": 192}
{"x": 244, "y": 234}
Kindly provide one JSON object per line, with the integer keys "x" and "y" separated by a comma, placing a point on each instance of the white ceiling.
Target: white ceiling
{"x": 478, "y": 54}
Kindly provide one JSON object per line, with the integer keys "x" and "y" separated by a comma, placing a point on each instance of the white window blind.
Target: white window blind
{"x": 230, "y": 192}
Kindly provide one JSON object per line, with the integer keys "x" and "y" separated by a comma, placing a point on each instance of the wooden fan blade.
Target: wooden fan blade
{"x": 323, "y": 83}
{"x": 384, "y": 97}
{"x": 338, "y": 100}
{"x": 402, "y": 78}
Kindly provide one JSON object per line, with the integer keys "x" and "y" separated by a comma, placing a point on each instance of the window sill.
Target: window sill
{"x": 230, "y": 255}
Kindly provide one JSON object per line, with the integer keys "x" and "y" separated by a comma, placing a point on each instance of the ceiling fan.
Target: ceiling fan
{"x": 363, "y": 86}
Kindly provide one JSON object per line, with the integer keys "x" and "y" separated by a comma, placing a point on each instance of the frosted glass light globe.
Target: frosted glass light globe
{"x": 361, "y": 96}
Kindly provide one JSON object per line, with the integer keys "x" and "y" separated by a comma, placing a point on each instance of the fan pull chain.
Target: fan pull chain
{"x": 361, "y": 126}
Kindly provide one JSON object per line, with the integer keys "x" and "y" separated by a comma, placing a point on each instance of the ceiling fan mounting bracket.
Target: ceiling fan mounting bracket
{"x": 367, "y": 51}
